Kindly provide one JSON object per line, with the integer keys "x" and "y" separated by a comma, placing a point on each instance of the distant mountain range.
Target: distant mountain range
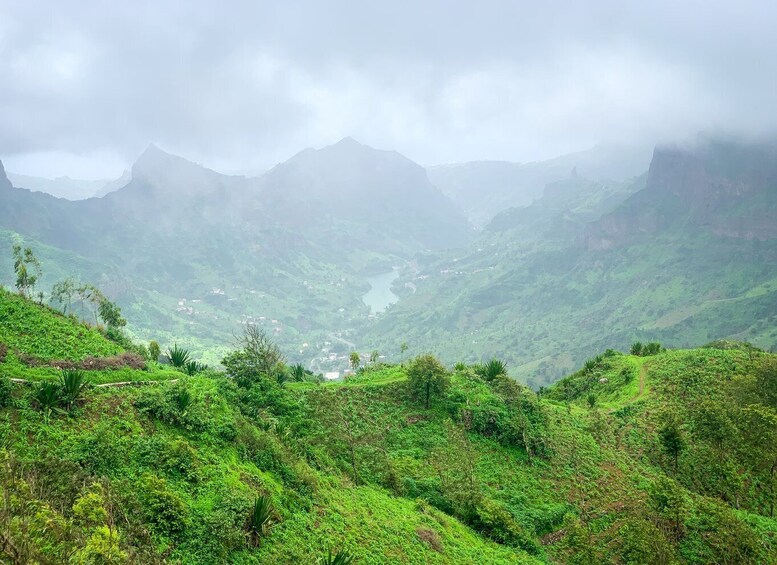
{"x": 578, "y": 254}
{"x": 291, "y": 245}
{"x": 70, "y": 189}
{"x": 482, "y": 189}
{"x": 684, "y": 254}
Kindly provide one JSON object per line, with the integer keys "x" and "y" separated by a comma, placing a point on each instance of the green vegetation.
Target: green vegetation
{"x": 631, "y": 459}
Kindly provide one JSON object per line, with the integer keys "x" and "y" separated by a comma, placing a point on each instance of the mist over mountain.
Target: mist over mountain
{"x": 388, "y": 283}
{"x": 61, "y": 187}
{"x": 484, "y": 188}
{"x": 681, "y": 255}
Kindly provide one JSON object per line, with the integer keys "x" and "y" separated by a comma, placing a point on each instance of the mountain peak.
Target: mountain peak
{"x": 155, "y": 165}
{"x": 4, "y": 182}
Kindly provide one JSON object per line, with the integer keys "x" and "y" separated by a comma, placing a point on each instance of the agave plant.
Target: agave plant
{"x": 297, "y": 372}
{"x": 590, "y": 365}
{"x": 460, "y": 367}
{"x": 493, "y": 369}
{"x": 339, "y": 558}
{"x": 259, "y": 518}
{"x": 183, "y": 400}
{"x": 72, "y": 384}
{"x": 47, "y": 397}
{"x": 178, "y": 356}
{"x": 193, "y": 367}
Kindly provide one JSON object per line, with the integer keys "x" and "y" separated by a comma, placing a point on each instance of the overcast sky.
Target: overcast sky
{"x": 239, "y": 86}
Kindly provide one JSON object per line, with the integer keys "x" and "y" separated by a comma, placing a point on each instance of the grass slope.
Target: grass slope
{"x": 490, "y": 473}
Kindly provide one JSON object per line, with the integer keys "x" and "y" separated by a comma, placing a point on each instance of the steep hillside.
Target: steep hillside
{"x": 591, "y": 471}
{"x": 547, "y": 285}
{"x": 719, "y": 187}
{"x": 210, "y": 251}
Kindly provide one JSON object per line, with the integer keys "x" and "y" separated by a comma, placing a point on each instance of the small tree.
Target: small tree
{"x": 63, "y": 293}
{"x": 672, "y": 440}
{"x": 27, "y": 269}
{"x": 636, "y": 348}
{"x": 355, "y": 360}
{"x": 427, "y": 377}
{"x": 402, "y": 350}
{"x": 374, "y": 356}
{"x": 154, "y": 350}
{"x": 257, "y": 357}
{"x": 110, "y": 314}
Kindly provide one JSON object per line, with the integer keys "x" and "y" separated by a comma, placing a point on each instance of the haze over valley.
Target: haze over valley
{"x": 337, "y": 283}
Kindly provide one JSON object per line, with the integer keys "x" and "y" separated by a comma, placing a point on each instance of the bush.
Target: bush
{"x": 163, "y": 508}
{"x": 496, "y": 522}
{"x": 154, "y": 351}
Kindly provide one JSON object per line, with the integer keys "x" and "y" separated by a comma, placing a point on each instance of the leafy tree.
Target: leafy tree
{"x": 355, "y": 360}
{"x": 374, "y": 356}
{"x": 672, "y": 440}
{"x": 110, "y": 313}
{"x": 27, "y": 269}
{"x": 89, "y": 295}
{"x": 63, "y": 293}
{"x": 427, "y": 377}
{"x": 154, "y": 350}
{"x": 258, "y": 357}
{"x": 402, "y": 350}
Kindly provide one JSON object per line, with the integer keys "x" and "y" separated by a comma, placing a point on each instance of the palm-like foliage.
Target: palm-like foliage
{"x": 493, "y": 369}
{"x": 183, "y": 400}
{"x": 72, "y": 384}
{"x": 178, "y": 356}
{"x": 259, "y": 519}
{"x": 297, "y": 372}
{"x": 47, "y": 397}
{"x": 460, "y": 366}
{"x": 339, "y": 558}
{"x": 193, "y": 367}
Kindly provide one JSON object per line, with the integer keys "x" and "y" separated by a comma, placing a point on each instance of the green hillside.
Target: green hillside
{"x": 665, "y": 458}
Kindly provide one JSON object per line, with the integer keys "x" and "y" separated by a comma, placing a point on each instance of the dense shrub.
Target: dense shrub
{"x": 162, "y": 507}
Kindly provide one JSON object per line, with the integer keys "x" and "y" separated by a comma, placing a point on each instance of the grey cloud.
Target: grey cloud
{"x": 242, "y": 85}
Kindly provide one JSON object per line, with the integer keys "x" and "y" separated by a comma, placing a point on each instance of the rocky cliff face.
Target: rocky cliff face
{"x": 4, "y": 182}
{"x": 722, "y": 188}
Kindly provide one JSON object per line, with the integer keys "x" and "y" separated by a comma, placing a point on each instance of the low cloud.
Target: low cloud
{"x": 239, "y": 86}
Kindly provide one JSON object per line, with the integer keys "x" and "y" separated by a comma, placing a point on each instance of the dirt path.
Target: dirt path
{"x": 642, "y": 375}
